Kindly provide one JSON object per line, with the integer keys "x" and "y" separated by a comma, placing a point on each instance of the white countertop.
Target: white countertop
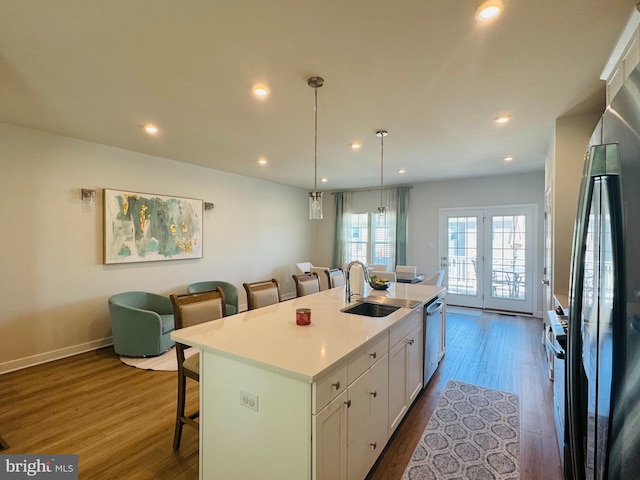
{"x": 269, "y": 336}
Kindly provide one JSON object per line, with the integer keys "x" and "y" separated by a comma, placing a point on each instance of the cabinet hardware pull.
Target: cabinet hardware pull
{"x": 374, "y": 445}
{"x": 373, "y": 355}
{"x": 348, "y": 403}
{"x": 336, "y": 385}
{"x": 410, "y": 342}
{"x": 374, "y": 394}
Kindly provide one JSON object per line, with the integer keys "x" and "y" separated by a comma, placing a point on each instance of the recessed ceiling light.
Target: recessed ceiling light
{"x": 262, "y": 161}
{"x": 402, "y": 170}
{"x": 489, "y": 9}
{"x": 324, "y": 179}
{"x": 260, "y": 91}
{"x": 503, "y": 118}
{"x": 151, "y": 129}
{"x": 508, "y": 158}
{"x": 356, "y": 146}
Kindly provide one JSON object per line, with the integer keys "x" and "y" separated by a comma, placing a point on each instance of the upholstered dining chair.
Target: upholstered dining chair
{"x": 387, "y": 275}
{"x": 322, "y": 276}
{"x": 263, "y": 293}
{"x": 335, "y": 277}
{"x": 230, "y": 293}
{"x": 436, "y": 279}
{"x": 377, "y": 267}
{"x": 192, "y": 309}
{"x": 407, "y": 269}
{"x": 306, "y": 284}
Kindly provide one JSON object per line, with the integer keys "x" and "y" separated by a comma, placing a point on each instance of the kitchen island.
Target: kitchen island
{"x": 282, "y": 401}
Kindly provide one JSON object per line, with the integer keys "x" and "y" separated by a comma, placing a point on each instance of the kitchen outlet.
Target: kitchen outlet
{"x": 249, "y": 400}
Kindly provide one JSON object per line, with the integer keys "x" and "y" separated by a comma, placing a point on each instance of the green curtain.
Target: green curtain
{"x": 401, "y": 224}
{"x": 338, "y": 239}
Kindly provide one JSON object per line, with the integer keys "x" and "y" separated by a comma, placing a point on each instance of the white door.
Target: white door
{"x": 461, "y": 254}
{"x": 488, "y": 257}
{"x": 547, "y": 290}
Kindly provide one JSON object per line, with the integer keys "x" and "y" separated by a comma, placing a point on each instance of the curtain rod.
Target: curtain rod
{"x": 370, "y": 189}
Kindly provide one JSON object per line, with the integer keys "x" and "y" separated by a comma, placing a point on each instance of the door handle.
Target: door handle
{"x": 545, "y": 281}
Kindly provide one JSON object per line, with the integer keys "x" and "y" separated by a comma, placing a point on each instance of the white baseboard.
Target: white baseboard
{"x": 25, "y": 362}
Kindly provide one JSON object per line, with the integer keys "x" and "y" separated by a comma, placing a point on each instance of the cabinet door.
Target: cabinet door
{"x": 330, "y": 440}
{"x": 367, "y": 394}
{"x": 405, "y": 375}
{"x": 415, "y": 363}
{"x": 397, "y": 385}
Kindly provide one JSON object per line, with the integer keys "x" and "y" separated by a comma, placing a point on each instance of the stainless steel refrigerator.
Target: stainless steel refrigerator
{"x": 603, "y": 341}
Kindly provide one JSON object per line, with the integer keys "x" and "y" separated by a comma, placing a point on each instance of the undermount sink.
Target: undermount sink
{"x": 370, "y": 309}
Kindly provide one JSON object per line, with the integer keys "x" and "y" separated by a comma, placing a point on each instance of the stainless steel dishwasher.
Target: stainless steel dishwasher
{"x": 432, "y": 327}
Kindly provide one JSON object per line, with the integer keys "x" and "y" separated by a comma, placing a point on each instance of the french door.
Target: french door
{"x": 487, "y": 254}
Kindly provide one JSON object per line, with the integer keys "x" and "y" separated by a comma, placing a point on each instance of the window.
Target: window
{"x": 371, "y": 239}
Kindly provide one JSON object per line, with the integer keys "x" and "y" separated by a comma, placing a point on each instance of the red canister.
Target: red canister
{"x": 303, "y": 316}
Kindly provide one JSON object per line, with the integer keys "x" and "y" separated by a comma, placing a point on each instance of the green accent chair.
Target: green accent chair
{"x": 141, "y": 323}
{"x": 229, "y": 289}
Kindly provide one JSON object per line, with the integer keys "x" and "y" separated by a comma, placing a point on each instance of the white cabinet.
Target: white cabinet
{"x": 330, "y": 434}
{"x": 329, "y": 387}
{"x": 300, "y": 426}
{"x": 351, "y": 431}
{"x": 367, "y": 419}
{"x": 405, "y": 369}
{"x": 365, "y": 449}
{"x": 624, "y": 57}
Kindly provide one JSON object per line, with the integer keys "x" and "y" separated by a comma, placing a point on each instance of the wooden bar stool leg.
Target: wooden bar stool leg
{"x": 182, "y": 388}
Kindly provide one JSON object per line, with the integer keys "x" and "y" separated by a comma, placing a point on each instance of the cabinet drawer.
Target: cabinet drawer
{"x": 328, "y": 387}
{"x": 367, "y": 395}
{"x": 366, "y": 357}
{"x": 365, "y": 449}
{"x": 401, "y": 329}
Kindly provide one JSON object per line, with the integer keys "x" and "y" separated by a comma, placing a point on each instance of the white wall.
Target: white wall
{"x": 54, "y": 285}
{"x": 426, "y": 199}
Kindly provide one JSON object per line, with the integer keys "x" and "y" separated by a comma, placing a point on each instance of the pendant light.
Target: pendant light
{"x": 382, "y": 210}
{"x": 315, "y": 197}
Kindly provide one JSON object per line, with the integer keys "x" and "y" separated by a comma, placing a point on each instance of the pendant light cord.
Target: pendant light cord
{"x": 381, "y": 166}
{"x": 315, "y": 140}
{"x": 381, "y": 134}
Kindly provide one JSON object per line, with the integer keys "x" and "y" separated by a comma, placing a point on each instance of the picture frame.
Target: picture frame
{"x": 143, "y": 227}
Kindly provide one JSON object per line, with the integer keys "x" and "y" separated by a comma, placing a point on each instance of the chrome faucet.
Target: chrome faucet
{"x": 347, "y": 288}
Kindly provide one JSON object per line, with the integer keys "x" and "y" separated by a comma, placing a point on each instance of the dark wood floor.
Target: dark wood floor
{"x": 119, "y": 420}
{"x": 502, "y": 352}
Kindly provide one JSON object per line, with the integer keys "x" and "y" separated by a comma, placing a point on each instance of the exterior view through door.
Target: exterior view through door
{"x": 488, "y": 256}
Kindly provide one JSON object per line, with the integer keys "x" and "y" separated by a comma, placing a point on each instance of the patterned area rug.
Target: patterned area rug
{"x": 474, "y": 433}
{"x": 166, "y": 361}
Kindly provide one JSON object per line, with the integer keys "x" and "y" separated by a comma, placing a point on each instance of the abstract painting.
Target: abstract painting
{"x": 143, "y": 227}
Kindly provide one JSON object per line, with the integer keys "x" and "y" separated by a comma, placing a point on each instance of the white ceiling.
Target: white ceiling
{"x": 424, "y": 70}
